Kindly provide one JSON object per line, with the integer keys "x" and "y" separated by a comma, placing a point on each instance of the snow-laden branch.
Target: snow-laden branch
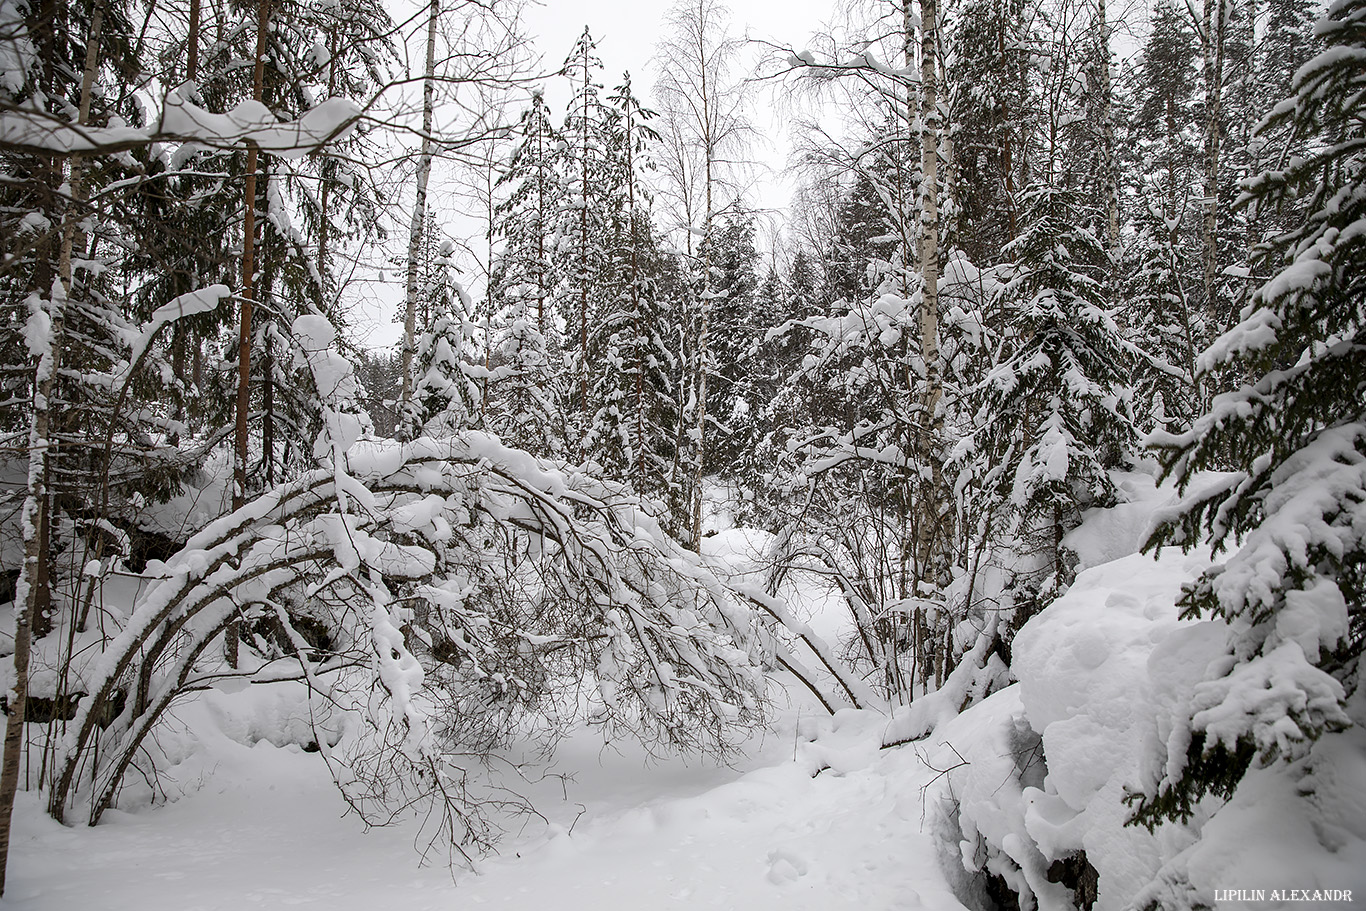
{"x": 28, "y": 129}
{"x": 668, "y": 641}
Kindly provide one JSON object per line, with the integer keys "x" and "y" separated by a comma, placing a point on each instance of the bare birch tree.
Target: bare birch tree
{"x": 705, "y": 130}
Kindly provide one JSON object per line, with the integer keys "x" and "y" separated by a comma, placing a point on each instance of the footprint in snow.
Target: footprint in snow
{"x": 785, "y": 867}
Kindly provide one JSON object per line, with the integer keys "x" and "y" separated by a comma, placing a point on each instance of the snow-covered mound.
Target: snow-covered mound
{"x": 1039, "y": 772}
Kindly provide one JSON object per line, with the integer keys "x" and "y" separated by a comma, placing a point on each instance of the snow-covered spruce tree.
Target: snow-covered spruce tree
{"x": 523, "y": 334}
{"x": 787, "y": 297}
{"x": 734, "y": 325}
{"x": 1161, "y": 299}
{"x": 1285, "y": 43}
{"x": 1292, "y": 512}
{"x": 863, "y": 229}
{"x": 582, "y": 233}
{"x": 993, "y": 111}
{"x": 632, "y": 386}
{"x": 448, "y": 365}
{"x": 523, "y": 219}
{"x": 1052, "y": 416}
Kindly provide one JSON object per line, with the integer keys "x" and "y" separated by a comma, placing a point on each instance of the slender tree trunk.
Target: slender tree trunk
{"x": 638, "y": 455}
{"x": 249, "y": 268}
{"x": 541, "y": 289}
{"x": 929, "y": 205}
{"x": 192, "y": 43}
{"x": 703, "y": 367}
{"x": 1007, "y": 158}
{"x": 583, "y": 264}
{"x": 703, "y": 310}
{"x": 179, "y": 332}
{"x": 489, "y": 212}
{"x": 1107, "y": 136}
{"x": 327, "y": 170}
{"x": 39, "y": 468}
{"x": 1212, "y": 35}
{"x": 41, "y": 622}
{"x": 418, "y": 223}
{"x": 268, "y": 418}
{"x": 930, "y": 125}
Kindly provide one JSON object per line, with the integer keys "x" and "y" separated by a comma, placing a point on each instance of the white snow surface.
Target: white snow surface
{"x": 262, "y": 826}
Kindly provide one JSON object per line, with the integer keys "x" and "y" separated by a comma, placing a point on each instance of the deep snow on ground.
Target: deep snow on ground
{"x": 266, "y": 829}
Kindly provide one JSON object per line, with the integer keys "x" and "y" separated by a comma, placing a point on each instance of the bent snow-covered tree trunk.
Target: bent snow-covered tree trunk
{"x": 380, "y": 527}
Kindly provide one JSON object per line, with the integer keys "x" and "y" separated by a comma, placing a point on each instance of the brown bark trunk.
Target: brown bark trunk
{"x": 249, "y": 266}
{"x": 1213, "y": 41}
{"x": 192, "y": 43}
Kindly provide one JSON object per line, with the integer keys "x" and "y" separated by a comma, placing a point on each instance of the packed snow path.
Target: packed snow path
{"x": 266, "y": 829}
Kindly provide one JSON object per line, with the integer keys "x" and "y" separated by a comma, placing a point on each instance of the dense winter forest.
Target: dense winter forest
{"x": 1026, "y": 449}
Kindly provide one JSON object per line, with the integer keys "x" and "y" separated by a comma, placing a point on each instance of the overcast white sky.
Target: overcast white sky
{"x": 627, "y": 32}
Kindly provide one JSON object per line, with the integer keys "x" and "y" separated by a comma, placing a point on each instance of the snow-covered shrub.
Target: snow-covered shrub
{"x": 454, "y": 577}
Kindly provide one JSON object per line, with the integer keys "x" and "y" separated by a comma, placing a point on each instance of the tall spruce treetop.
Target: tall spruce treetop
{"x": 523, "y": 333}
{"x": 448, "y": 373}
{"x": 1287, "y": 43}
{"x": 583, "y": 223}
{"x": 1293, "y": 510}
{"x": 631, "y": 387}
{"x": 994, "y": 108}
{"x": 523, "y": 219}
{"x": 1163, "y": 249}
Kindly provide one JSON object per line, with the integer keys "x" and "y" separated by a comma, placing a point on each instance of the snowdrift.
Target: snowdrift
{"x": 1039, "y": 772}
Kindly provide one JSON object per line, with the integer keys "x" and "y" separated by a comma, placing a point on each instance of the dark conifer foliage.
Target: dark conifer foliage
{"x": 524, "y": 330}
{"x": 1289, "y": 513}
{"x": 994, "y": 109}
{"x": 735, "y": 320}
{"x": 1052, "y": 416}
